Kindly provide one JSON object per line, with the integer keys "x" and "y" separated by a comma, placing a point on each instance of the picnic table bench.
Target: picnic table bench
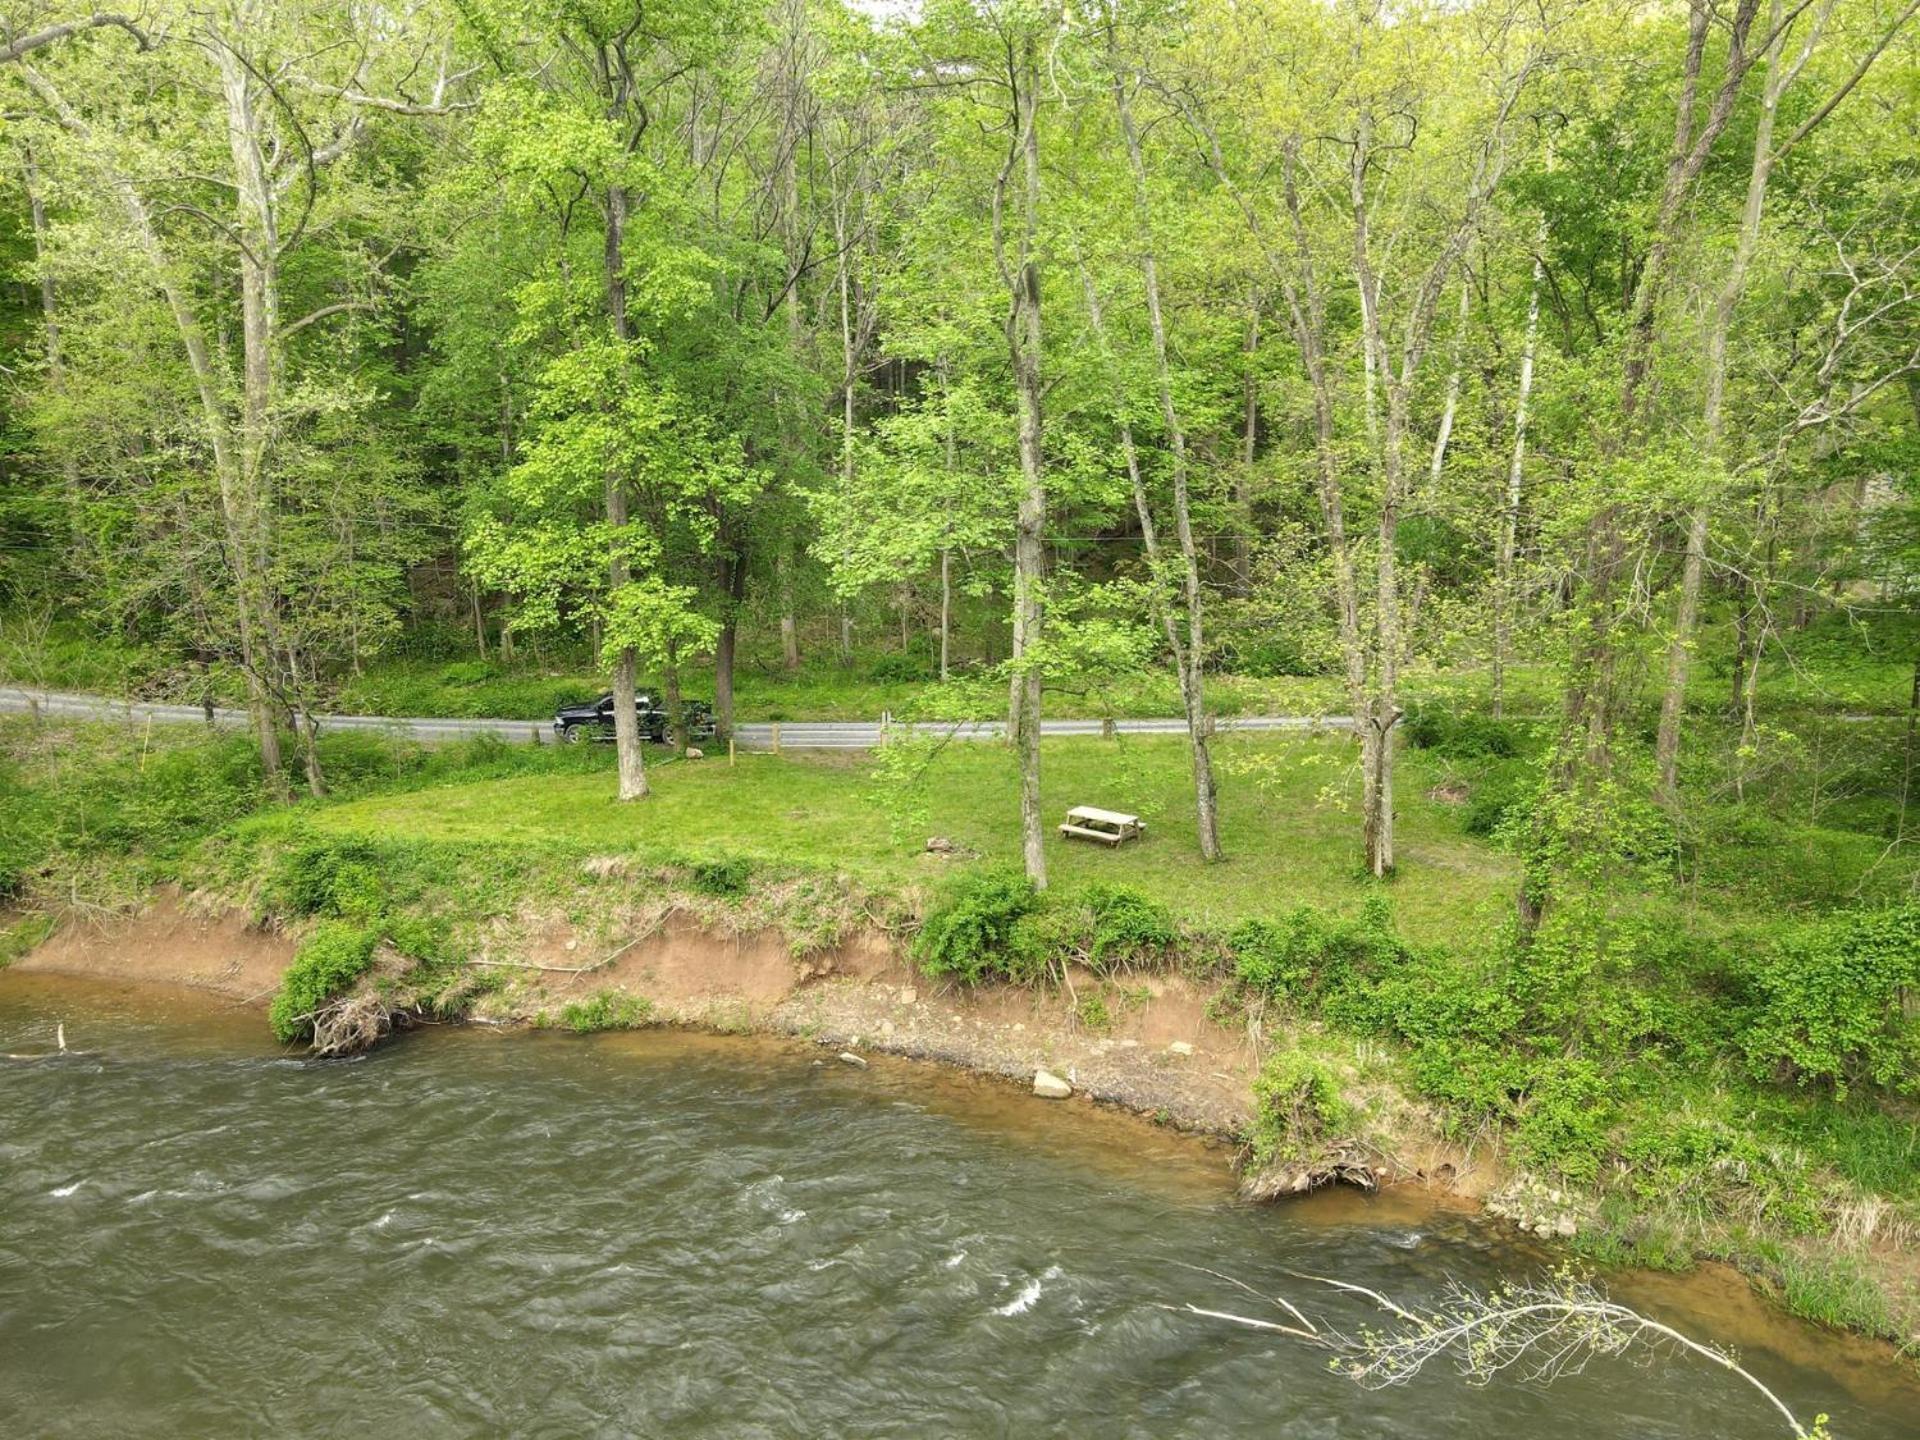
{"x": 1108, "y": 826}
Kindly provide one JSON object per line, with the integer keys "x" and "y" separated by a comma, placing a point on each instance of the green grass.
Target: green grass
{"x": 1284, "y": 843}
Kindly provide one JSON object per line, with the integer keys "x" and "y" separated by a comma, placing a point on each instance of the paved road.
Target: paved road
{"x": 793, "y": 734}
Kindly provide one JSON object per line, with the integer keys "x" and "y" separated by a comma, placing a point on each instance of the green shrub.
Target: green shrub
{"x": 970, "y": 931}
{"x": 1297, "y": 1106}
{"x": 1092, "y": 1012}
{"x": 1498, "y": 798}
{"x": 22, "y": 935}
{"x": 328, "y": 962}
{"x": 468, "y": 672}
{"x": 1834, "y": 1002}
{"x": 1041, "y": 941}
{"x": 339, "y": 877}
{"x": 1461, "y": 735}
{"x": 1563, "y": 1124}
{"x": 607, "y": 1010}
{"x": 159, "y": 802}
{"x": 24, "y": 826}
{"x": 1278, "y": 957}
{"x": 1686, "y": 1157}
{"x": 900, "y": 668}
{"x": 723, "y": 875}
{"x": 427, "y": 939}
{"x": 1127, "y": 924}
{"x": 1311, "y": 952}
{"x": 358, "y": 761}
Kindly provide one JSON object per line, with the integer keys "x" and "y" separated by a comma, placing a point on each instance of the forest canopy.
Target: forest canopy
{"x": 1568, "y": 347}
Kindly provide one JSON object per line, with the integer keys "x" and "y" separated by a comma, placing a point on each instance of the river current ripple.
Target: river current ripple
{"x": 468, "y": 1234}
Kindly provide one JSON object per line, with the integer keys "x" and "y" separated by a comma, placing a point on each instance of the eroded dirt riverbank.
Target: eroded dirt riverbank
{"x": 1159, "y": 1052}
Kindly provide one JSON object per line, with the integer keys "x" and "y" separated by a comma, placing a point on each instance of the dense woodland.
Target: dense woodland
{"x": 1567, "y": 341}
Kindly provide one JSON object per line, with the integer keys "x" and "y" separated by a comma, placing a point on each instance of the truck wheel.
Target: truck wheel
{"x": 572, "y": 735}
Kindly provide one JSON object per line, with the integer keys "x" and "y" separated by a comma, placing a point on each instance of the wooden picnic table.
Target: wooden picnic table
{"x": 1111, "y": 827}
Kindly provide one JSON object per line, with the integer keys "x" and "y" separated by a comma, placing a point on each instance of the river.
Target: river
{"x": 471, "y": 1233}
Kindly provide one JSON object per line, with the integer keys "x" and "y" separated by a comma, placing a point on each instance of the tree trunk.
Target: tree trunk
{"x": 1503, "y": 584}
{"x": 238, "y": 510}
{"x": 626, "y": 720}
{"x": 849, "y": 375}
{"x": 1447, "y": 411}
{"x": 1023, "y": 333}
{"x": 479, "y": 621}
{"x": 1190, "y": 654}
{"x": 789, "y": 630}
{"x": 309, "y": 730}
{"x": 733, "y": 589}
{"x": 1249, "y": 437}
{"x": 259, "y": 319}
{"x": 1591, "y": 701}
{"x": 1733, "y": 282}
{"x": 676, "y": 705}
{"x": 946, "y": 609}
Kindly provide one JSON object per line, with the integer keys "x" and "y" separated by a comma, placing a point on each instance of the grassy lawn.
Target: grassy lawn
{"x": 1285, "y": 843}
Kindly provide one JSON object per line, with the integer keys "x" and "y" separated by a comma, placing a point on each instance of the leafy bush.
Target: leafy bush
{"x": 1127, "y": 924}
{"x": 607, "y": 1010}
{"x": 1564, "y": 1123}
{"x": 1498, "y": 798}
{"x": 723, "y": 875}
{"x": 901, "y": 667}
{"x": 426, "y": 939}
{"x": 340, "y": 877}
{"x": 1311, "y": 951}
{"x": 159, "y": 802}
{"x": 1278, "y": 957}
{"x": 329, "y": 960}
{"x": 1297, "y": 1105}
{"x": 1040, "y": 939}
{"x": 1461, "y": 735}
{"x": 23, "y": 830}
{"x": 468, "y": 672}
{"x": 970, "y": 932}
{"x": 1835, "y": 1000}
{"x": 19, "y": 937}
{"x": 1093, "y": 1013}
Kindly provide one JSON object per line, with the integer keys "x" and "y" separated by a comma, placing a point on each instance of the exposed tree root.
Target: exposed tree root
{"x": 359, "y": 1020}
{"x": 1340, "y": 1163}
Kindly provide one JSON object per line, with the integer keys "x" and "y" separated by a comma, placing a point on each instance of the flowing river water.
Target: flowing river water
{"x": 470, "y": 1233}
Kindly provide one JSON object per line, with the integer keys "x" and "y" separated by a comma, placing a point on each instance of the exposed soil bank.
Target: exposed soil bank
{"x": 169, "y": 944}
{"x": 1160, "y": 1055}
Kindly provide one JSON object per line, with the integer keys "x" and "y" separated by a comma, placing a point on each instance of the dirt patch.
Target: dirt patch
{"x": 1205, "y": 1086}
{"x": 170, "y": 944}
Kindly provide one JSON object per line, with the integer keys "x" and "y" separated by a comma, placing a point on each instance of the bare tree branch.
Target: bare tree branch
{"x": 100, "y": 19}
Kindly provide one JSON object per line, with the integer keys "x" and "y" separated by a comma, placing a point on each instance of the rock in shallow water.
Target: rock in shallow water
{"x": 1050, "y": 1086}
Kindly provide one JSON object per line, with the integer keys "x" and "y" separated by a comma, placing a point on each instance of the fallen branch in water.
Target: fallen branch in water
{"x": 1539, "y": 1330}
{"x": 59, "y": 1039}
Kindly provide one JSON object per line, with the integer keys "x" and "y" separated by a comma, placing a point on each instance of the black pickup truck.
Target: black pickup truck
{"x": 594, "y": 720}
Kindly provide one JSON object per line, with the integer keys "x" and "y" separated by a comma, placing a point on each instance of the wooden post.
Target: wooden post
{"x": 776, "y": 737}
{"x": 729, "y": 752}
